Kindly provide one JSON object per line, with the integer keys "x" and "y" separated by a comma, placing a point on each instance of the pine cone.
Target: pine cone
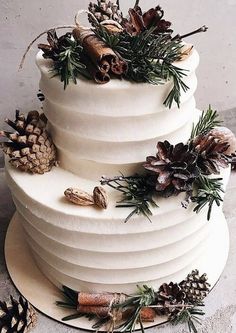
{"x": 139, "y": 22}
{"x": 30, "y": 148}
{"x": 105, "y": 10}
{"x": 169, "y": 294}
{"x": 17, "y": 316}
{"x": 195, "y": 287}
{"x": 55, "y": 45}
{"x": 174, "y": 166}
{"x": 210, "y": 152}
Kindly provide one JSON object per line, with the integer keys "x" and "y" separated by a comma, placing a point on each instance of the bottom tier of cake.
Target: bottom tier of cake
{"x": 89, "y": 249}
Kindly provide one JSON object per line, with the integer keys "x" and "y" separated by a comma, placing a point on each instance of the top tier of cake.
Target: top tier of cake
{"x": 104, "y": 129}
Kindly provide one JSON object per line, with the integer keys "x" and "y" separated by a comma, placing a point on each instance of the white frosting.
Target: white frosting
{"x": 104, "y": 129}
{"x": 84, "y": 247}
{"x": 108, "y": 128}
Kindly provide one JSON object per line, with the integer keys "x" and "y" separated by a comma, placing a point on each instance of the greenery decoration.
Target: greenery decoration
{"x": 179, "y": 168}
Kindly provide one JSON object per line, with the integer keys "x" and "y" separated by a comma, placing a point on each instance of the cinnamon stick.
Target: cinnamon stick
{"x": 101, "y": 55}
{"x": 100, "y": 76}
{"x": 95, "y": 299}
{"x": 146, "y": 314}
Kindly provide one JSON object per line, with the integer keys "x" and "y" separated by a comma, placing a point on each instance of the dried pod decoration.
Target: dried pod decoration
{"x": 82, "y": 198}
{"x": 17, "y": 316}
{"x": 79, "y": 197}
{"x": 30, "y": 147}
{"x": 100, "y": 197}
{"x": 111, "y": 311}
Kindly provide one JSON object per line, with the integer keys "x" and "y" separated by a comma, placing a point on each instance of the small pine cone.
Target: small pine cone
{"x": 169, "y": 294}
{"x": 17, "y": 316}
{"x": 211, "y": 153}
{"x": 105, "y": 10}
{"x": 195, "y": 287}
{"x": 30, "y": 147}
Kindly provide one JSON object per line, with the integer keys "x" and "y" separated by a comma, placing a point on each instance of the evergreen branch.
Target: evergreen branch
{"x": 207, "y": 121}
{"x": 208, "y": 192}
{"x": 189, "y": 316}
{"x": 144, "y": 298}
{"x": 150, "y": 58}
{"x": 136, "y": 193}
{"x": 69, "y": 64}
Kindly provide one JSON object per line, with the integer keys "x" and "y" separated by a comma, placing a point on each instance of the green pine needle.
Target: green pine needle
{"x": 208, "y": 120}
{"x": 190, "y": 316}
{"x": 69, "y": 64}
{"x": 136, "y": 193}
{"x": 208, "y": 193}
{"x": 150, "y": 59}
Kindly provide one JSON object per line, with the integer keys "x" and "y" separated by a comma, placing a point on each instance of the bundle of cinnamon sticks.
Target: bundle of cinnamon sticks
{"x": 101, "y": 60}
{"x": 102, "y": 304}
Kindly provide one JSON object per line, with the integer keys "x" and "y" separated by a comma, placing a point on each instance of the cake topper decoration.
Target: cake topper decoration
{"x": 138, "y": 47}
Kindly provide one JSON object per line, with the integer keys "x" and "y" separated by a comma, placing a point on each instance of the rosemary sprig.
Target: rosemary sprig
{"x": 208, "y": 120}
{"x": 150, "y": 58}
{"x": 68, "y": 64}
{"x": 208, "y": 192}
{"x": 189, "y": 316}
{"x": 145, "y": 297}
{"x": 136, "y": 193}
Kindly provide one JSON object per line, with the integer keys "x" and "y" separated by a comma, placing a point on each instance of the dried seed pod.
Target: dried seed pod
{"x": 79, "y": 197}
{"x": 100, "y": 197}
{"x": 224, "y": 134}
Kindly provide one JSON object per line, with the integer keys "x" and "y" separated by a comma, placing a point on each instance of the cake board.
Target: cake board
{"x": 42, "y": 294}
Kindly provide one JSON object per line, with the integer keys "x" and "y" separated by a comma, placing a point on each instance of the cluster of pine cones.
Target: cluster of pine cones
{"x": 191, "y": 291}
{"x": 174, "y": 168}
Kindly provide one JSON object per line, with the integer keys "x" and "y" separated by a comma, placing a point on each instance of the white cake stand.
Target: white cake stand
{"x": 42, "y": 294}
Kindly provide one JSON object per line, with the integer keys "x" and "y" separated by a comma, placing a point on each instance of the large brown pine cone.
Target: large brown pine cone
{"x": 195, "y": 287}
{"x": 167, "y": 296}
{"x": 174, "y": 166}
{"x": 30, "y": 147}
{"x": 211, "y": 153}
{"x": 105, "y": 10}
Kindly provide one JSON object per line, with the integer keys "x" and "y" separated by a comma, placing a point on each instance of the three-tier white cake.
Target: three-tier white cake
{"x": 104, "y": 130}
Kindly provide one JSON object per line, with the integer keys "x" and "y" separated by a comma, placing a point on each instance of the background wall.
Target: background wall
{"x": 22, "y": 20}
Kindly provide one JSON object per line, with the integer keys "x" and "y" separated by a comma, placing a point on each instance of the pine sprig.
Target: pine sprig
{"x": 209, "y": 192}
{"x": 150, "y": 59}
{"x": 190, "y": 316}
{"x": 68, "y": 64}
{"x": 208, "y": 120}
{"x": 136, "y": 193}
{"x": 144, "y": 298}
